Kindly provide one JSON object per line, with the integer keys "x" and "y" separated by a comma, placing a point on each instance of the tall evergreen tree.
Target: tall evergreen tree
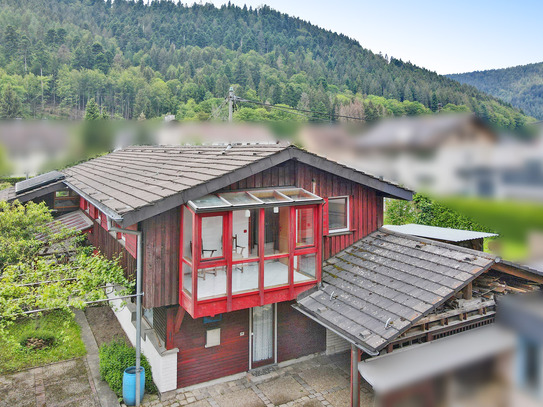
{"x": 10, "y": 104}
{"x": 92, "y": 112}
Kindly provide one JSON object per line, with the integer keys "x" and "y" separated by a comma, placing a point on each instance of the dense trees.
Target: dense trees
{"x": 522, "y": 86}
{"x": 134, "y": 58}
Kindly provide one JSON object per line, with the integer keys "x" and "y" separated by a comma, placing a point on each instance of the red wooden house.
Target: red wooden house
{"x": 231, "y": 236}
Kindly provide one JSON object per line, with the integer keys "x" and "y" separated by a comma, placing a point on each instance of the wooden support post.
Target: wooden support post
{"x": 178, "y": 319}
{"x": 467, "y": 292}
{"x": 355, "y": 376}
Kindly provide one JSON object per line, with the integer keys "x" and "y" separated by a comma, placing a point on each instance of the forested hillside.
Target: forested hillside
{"x": 148, "y": 60}
{"x": 522, "y": 86}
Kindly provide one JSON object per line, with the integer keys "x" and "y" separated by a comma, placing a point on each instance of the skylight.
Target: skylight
{"x": 256, "y": 198}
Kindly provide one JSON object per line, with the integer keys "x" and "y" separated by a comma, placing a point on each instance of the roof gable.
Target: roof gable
{"x": 136, "y": 183}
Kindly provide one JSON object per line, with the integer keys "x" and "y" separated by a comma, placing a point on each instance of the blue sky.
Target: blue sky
{"x": 445, "y": 36}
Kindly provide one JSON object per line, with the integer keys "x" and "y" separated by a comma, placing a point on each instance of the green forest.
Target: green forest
{"x": 140, "y": 60}
{"x": 522, "y": 86}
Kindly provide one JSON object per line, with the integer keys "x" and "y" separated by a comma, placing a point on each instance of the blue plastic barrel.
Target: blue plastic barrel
{"x": 129, "y": 385}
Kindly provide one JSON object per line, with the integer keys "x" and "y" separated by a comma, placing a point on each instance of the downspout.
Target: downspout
{"x": 139, "y": 295}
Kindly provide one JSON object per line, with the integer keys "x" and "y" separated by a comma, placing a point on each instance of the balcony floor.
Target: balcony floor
{"x": 275, "y": 274}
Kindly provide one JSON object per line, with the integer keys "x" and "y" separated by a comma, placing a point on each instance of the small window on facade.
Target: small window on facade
{"x": 213, "y": 337}
{"x": 148, "y": 315}
{"x": 338, "y": 214}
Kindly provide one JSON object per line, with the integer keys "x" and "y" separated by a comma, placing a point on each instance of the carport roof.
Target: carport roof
{"x": 383, "y": 284}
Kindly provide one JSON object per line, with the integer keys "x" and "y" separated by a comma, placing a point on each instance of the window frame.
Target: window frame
{"x": 201, "y": 306}
{"x": 348, "y": 209}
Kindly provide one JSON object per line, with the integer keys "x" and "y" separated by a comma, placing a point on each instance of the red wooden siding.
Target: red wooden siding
{"x": 366, "y": 205}
{"x": 297, "y": 335}
{"x": 110, "y": 247}
{"x": 161, "y": 259}
{"x": 131, "y": 241}
{"x": 196, "y": 363}
{"x": 161, "y": 233}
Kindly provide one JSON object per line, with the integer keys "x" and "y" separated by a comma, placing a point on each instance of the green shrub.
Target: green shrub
{"x": 115, "y": 357}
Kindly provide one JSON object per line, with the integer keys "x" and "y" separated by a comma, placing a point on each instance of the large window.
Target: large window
{"x": 245, "y": 242}
{"x": 338, "y": 214}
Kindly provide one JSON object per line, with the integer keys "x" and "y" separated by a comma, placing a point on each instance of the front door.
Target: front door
{"x": 262, "y": 352}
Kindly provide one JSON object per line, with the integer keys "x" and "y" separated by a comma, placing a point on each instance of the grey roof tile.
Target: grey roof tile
{"x": 389, "y": 276}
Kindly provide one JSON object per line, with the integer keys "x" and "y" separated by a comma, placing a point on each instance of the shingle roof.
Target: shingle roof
{"x": 136, "y": 183}
{"x": 136, "y": 177}
{"x": 390, "y": 277}
{"x": 434, "y": 232}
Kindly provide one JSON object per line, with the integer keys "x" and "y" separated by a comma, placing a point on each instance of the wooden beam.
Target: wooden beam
{"x": 468, "y": 291}
{"x": 517, "y": 272}
{"x": 355, "y": 376}
{"x": 178, "y": 319}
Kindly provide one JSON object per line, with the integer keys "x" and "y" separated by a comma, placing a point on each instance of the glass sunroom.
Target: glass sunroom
{"x": 247, "y": 248}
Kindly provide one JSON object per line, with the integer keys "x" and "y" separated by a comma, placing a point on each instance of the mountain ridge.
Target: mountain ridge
{"x": 520, "y": 85}
{"x": 154, "y": 58}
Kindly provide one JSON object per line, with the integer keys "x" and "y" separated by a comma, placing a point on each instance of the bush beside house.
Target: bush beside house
{"x": 115, "y": 357}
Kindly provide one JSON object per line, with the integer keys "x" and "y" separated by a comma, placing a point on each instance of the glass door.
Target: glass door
{"x": 262, "y": 336}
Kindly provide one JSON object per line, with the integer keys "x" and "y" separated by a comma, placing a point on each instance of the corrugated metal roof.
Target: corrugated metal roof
{"x": 434, "y": 232}
{"x": 72, "y": 220}
{"x": 388, "y": 277}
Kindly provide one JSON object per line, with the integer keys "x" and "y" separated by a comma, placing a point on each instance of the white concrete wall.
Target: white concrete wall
{"x": 335, "y": 343}
{"x": 163, "y": 362}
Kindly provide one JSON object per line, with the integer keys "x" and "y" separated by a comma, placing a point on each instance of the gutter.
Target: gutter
{"x": 311, "y": 316}
{"x": 139, "y": 294}
{"x": 110, "y": 213}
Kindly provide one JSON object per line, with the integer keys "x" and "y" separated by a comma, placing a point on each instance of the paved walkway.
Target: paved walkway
{"x": 60, "y": 384}
{"x": 319, "y": 381}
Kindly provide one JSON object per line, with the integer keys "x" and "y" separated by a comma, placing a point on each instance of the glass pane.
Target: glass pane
{"x": 245, "y": 234}
{"x": 337, "y": 213}
{"x": 187, "y": 277}
{"x": 305, "y": 227}
{"x": 298, "y": 194}
{"x": 212, "y": 236}
{"x": 187, "y": 233}
{"x": 276, "y": 230}
{"x": 269, "y": 196}
{"x": 208, "y": 201}
{"x": 239, "y": 198}
{"x": 245, "y": 277}
{"x": 211, "y": 282}
{"x": 276, "y": 272}
{"x": 66, "y": 203}
{"x": 304, "y": 267}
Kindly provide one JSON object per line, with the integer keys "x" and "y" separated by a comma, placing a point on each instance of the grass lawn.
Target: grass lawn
{"x": 59, "y": 324}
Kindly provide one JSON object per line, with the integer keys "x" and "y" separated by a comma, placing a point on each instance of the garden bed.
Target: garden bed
{"x": 37, "y": 341}
{"x": 104, "y": 325}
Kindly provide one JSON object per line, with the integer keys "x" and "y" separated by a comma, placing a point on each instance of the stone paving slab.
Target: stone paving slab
{"x": 320, "y": 381}
{"x": 63, "y": 384}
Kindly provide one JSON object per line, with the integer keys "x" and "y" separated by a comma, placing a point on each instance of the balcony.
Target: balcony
{"x": 248, "y": 248}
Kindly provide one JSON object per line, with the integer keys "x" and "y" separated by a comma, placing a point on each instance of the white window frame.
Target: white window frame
{"x": 213, "y": 337}
{"x": 348, "y": 205}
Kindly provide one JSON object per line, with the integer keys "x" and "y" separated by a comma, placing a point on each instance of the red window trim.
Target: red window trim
{"x": 231, "y": 301}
